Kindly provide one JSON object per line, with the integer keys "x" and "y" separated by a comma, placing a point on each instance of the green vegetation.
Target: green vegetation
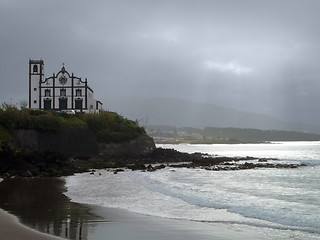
{"x": 108, "y": 127}
{"x": 5, "y": 135}
{"x": 111, "y": 127}
{"x": 256, "y": 135}
{"x": 95, "y": 163}
{"x": 168, "y": 134}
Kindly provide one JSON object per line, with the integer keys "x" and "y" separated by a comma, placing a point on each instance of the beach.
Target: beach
{"x": 125, "y": 225}
{"x": 172, "y": 203}
{"x": 11, "y": 229}
{"x": 38, "y": 204}
{"x": 122, "y": 224}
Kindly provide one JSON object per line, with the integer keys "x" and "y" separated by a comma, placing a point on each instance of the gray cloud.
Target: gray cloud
{"x": 260, "y": 56}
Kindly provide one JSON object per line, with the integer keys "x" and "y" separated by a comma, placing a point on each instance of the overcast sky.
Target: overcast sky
{"x": 253, "y": 55}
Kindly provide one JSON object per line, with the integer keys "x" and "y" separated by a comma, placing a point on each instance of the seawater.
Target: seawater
{"x": 286, "y": 200}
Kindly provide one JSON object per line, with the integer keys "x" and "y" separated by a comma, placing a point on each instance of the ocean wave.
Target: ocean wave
{"x": 196, "y": 196}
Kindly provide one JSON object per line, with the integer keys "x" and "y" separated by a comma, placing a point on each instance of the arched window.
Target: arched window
{"x": 47, "y": 92}
{"x": 35, "y": 68}
{"x": 78, "y": 92}
{"x": 63, "y": 92}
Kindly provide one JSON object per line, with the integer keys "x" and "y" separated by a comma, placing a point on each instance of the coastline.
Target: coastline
{"x": 11, "y": 228}
{"x": 121, "y": 224}
{"x": 39, "y": 203}
{"x": 90, "y": 222}
{"x": 44, "y": 208}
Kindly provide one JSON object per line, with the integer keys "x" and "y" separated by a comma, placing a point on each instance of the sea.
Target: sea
{"x": 282, "y": 202}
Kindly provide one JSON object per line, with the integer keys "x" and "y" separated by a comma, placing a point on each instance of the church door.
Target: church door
{"x": 78, "y": 104}
{"x": 63, "y": 103}
{"x": 47, "y": 104}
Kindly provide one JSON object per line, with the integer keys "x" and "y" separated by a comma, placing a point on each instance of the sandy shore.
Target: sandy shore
{"x": 40, "y": 204}
{"x": 123, "y": 225}
{"x": 11, "y": 229}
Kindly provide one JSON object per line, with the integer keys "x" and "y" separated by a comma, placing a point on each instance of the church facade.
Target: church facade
{"x": 61, "y": 91}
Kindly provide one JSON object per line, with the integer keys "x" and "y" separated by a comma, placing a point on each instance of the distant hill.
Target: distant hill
{"x": 255, "y": 135}
{"x": 168, "y": 134}
{"x": 182, "y": 113}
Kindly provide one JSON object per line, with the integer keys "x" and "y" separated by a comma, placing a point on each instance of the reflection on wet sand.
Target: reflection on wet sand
{"x": 40, "y": 204}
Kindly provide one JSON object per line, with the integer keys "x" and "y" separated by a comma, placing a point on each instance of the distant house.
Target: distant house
{"x": 61, "y": 91}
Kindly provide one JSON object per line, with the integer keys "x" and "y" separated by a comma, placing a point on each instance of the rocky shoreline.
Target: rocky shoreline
{"x": 165, "y": 158}
{"x": 35, "y": 163}
{"x": 38, "y": 164}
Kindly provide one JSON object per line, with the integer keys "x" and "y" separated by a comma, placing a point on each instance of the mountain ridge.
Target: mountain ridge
{"x": 184, "y": 113}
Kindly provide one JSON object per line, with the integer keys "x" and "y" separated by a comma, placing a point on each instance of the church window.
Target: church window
{"x": 35, "y": 68}
{"x": 63, "y": 93}
{"x": 47, "y": 93}
{"x": 35, "y": 101}
{"x": 35, "y": 89}
{"x": 78, "y": 92}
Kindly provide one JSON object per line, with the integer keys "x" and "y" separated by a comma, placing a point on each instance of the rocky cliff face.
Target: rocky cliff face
{"x": 140, "y": 146}
{"x": 78, "y": 141}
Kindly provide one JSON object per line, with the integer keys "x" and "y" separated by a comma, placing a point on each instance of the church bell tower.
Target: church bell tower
{"x": 36, "y": 75}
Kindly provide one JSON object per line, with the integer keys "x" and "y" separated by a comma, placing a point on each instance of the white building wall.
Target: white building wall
{"x": 91, "y": 101}
{"x": 35, "y": 91}
{"x": 55, "y": 85}
{"x": 35, "y": 78}
{"x": 56, "y": 102}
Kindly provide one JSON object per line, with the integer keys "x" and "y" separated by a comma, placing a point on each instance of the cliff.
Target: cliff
{"x": 47, "y": 143}
{"x": 136, "y": 147}
{"x": 78, "y": 141}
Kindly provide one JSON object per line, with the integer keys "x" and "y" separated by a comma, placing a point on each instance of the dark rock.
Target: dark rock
{"x": 150, "y": 168}
{"x": 69, "y": 141}
{"x": 247, "y": 165}
{"x": 160, "y": 166}
{"x": 137, "y": 167}
{"x": 118, "y": 170}
{"x": 28, "y": 174}
{"x": 134, "y": 148}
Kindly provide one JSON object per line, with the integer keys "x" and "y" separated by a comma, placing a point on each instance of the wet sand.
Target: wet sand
{"x": 41, "y": 205}
{"x": 11, "y": 229}
{"x": 125, "y": 225}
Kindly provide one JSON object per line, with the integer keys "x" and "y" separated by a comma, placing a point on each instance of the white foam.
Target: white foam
{"x": 277, "y": 198}
{"x": 126, "y": 192}
{"x": 194, "y": 195}
{"x": 303, "y": 151}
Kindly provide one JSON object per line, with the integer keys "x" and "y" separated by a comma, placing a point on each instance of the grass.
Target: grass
{"x": 108, "y": 127}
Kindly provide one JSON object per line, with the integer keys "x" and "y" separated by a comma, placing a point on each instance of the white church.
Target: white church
{"x": 61, "y": 91}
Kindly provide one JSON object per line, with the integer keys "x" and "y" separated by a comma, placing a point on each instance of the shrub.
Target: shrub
{"x": 5, "y": 135}
{"x": 107, "y": 126}
{"x": 111, "y": 127}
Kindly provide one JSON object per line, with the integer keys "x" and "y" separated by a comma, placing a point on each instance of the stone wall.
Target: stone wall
{"x": 140, "y": 146}
{"x": 70, "y": 141}
{"x": 78, "y": 141}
